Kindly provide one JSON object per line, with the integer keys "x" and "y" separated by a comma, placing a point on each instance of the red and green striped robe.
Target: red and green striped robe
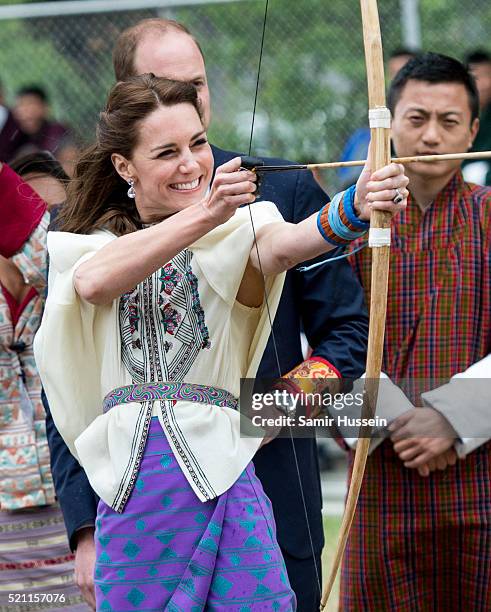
{"x": 424, "y": 544}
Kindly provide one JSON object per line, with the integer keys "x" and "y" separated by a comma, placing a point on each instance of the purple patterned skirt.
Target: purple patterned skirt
{"x": 169, "y": 551}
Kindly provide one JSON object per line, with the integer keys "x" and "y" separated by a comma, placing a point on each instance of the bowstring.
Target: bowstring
{"x": 270, "y": 319}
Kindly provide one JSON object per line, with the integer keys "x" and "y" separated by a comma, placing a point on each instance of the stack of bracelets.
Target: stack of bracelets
{"x": 337, "y": 220}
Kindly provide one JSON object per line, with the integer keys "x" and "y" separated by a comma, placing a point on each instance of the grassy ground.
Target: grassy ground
{"x": 331, "y": 531}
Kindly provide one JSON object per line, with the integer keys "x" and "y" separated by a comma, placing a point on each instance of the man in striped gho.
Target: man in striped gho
{"x": 421, "y": 538}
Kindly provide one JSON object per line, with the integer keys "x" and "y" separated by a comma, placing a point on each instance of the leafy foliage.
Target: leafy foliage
{"x": 312, "y": 91}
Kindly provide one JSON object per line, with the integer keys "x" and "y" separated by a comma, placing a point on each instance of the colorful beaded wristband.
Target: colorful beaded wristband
{"x": 337, "y": 221}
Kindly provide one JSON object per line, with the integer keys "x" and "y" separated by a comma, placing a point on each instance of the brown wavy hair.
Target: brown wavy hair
{"x": 97, "y": 195}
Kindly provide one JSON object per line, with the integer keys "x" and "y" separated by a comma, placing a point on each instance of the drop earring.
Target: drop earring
{"x": 131, "y": 190}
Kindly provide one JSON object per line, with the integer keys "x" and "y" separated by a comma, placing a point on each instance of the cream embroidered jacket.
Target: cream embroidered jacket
{"x": 79, "y": 355}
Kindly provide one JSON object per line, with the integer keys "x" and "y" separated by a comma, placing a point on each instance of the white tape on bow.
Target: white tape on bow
{"x": 379, "y": 117}
{"x": 378, "y": 237}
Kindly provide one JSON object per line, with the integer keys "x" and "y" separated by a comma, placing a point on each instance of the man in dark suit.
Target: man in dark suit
{"x": 327, "y": 302}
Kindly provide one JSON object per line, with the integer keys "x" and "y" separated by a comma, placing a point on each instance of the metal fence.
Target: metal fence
{"x": 312, "y": 90}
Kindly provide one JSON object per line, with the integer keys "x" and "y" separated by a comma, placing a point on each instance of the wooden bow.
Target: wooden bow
{"x": 379, "y": 220}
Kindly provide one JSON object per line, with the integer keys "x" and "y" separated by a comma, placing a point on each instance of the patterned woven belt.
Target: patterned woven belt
{"x": 148, "y": 392}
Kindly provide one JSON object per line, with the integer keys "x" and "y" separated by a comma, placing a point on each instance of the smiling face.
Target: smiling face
{"x": 433, "y": 118}
{"x": 174, "y": 55}
{"x": 172, "y": 163}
